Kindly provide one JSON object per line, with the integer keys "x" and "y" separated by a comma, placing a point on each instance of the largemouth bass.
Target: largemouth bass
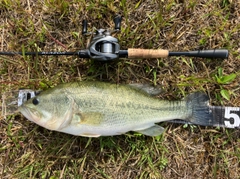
{"x": 95, "y": 109}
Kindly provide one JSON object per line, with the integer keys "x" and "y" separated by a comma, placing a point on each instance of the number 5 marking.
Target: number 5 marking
{"x": 229, "y": 115}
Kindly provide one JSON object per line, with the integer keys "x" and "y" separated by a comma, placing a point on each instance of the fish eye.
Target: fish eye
{"x": 35, "y": 101}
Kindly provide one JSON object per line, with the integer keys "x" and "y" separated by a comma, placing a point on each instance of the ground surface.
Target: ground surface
{"x": 29, "y": 151}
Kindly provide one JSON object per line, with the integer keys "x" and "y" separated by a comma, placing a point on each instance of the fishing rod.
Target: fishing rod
{"x": 105, "y": 47}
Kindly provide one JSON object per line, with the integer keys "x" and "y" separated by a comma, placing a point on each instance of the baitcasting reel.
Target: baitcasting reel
{"x": 103, "y": 46}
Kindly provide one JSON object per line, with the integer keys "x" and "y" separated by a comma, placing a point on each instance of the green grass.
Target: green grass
{"x": 29, "y": 151}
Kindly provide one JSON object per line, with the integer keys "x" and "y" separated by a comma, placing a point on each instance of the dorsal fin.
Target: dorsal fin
{"x": 149, "y": 89}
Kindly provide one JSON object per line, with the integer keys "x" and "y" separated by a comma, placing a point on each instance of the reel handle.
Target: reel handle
{"x": 117, "y": 21}
{"x": 84, "y": 27}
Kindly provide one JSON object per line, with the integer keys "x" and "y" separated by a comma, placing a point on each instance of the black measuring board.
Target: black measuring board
{"x": 219, "y": 116}
{"x": 223, "y": 116}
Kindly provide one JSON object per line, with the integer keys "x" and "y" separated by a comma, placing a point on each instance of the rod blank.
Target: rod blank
{"x": 38, "y": 53}
{"x": 137, "y": 53}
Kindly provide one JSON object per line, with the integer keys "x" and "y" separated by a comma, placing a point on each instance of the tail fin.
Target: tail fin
{"x": 201, "y": 113}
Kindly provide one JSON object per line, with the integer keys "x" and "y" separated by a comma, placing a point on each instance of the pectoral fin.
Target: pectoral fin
{"x": 90, "y": 118}
{"x": 155, "y": 130}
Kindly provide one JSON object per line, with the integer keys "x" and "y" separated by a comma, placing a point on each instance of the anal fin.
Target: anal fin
{"x": 155, "y": 130}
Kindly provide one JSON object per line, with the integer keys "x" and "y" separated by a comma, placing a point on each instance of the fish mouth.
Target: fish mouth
{"x": 36, "y": 117}
{"x": 29, "y": 114}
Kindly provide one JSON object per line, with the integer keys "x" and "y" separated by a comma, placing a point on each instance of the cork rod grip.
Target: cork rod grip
{"x": 147, "y": 53}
